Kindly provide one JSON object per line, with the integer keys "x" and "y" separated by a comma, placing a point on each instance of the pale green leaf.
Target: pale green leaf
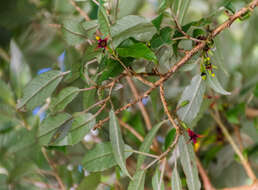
{"x": 63, "y": 98}
{"x": 194, "y": 94}
{"x": 82, "y": 124}
{"x": 6, "y": 93}
{"x": 187, "y": 158}
{"x": 156, "y": 185}
{"x": 132, "y": 26}
{"x": 175, "y": 180}
{"x": 101, "y": 157}
{"x": 138, "y": 181}
{"x": 214, "y": 83}
{"x": 104, "y": 24}
{"x": 73, "y": 31}
{"x": 50, "y": 125}
{"x": 39, "y": 89}
{"x": 145, "y": 146}
{"x": 117, "y": 142}
{"x": 90, "y": 182}
{"x": 180, "y": 8}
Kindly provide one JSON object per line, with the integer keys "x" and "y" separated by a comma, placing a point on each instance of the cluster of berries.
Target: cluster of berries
{"x": 206, "y": 67}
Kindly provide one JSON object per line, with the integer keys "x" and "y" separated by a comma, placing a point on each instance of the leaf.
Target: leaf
{"x": 64, "y": 98}
{"x": 117, "y": 142}
{"x": 101, "y": 157}
{"x": 215, "y": 85}
{"x": 164, "y": 37}
{"x": 228, "y": 5}
{"x": 90, "y": 27}
{"x": 194, "y": 94}
{"x": 82, "y": 124}
{"x": 138, "y": 181}
{"x": 132, "y": 26}
{"x": 90, "y": 182}
{"x": 137, "y": 50}
{"x": 145, "y": 146}
{"x": 255, "y": 91}
{"x": 156, "y": 181}
{"x": 169, "y": 138}
{"x": 175, "y": 180}
{"x": 73, "y": 31}
{"x": 187, "y": 158}
{"x": 103, "y": 20}
{"x": 19, "y": 70}
{"x": 6, "y": 93}
{"x": 180, "y": 8}
{"x": 39, "y": 89}
{"x": 50, "y": 125}
{"x": 157, "y": 21}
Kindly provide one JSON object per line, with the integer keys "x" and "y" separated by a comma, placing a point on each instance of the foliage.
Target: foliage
{"x": 82, "y": 103}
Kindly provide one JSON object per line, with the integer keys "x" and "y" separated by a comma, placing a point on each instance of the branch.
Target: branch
{"x": 82, "y": 13}
{"x": 188, "y": 55}
{"x": 243, "y": 160}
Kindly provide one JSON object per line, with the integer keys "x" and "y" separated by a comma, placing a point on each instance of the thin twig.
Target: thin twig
{"x": 82, "y": 13}
{"x": 142, "y": 153}
{"x": 131, "y": 129}
{"x": 53, "y": 166}
{"x": 243, "y": 160}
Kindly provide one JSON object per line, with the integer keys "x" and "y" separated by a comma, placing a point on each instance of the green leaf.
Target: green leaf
{"x": 156, "y": 185}
{"x": 63, "y": 98}
{"x": 6, "y": 93}
{"x": 164, "y": 37}
{"x": 230, "y": 7}
{"x": 194, "y": 94}
{"x": 132, "y": 26}
{"x": 50, "y": 126}
{"x": 90, "y": 27}
{"x": 82, "y": 124}
{"x": 169, "y": 138}
{"x": 117, "y": 142}
{"x": 256, "y": 91}
{"x": 39, "y": 89}
{"x": 157, "y": 21}
{"x": 145, "y": 146}
{"x": 138, "y": 50}
{"x": 175, "y": 180}
{"x": 214, "y": 83}
{"x": 187, "y": 158}
{"x": 73, "y": 31}
{"x": 138, "y": 181}
{"x": 234, "y": 113}
{"x": 104, "y": 24}
{"x": 101, "y": 157}
{"x": 90, "y": 182}
{"x": 180, "y": 8}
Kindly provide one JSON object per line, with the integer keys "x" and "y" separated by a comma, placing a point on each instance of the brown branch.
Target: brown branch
{"x": 131, "y": 129}
{"x": 251, "y": 112}
{"x": 243, "y": 160}
{"x": 54, "y": 168}
{"x": 183, "y": 60}
{"x": 205, "y": 179}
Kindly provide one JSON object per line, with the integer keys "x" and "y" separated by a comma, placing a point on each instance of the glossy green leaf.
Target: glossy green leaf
{"x": 145, "y": 146}
{"x": 175, "y": 180}
{"x": 138, "y": 50}
{"x": 157, "y": 21}
{"x": 214, "y": 83}
{"x": 50, "y": 125}
{"x": 117, "y": 142}
{"x": 73, "y": 31}
{"x": 169, "y": 138}
{"x": 194, "y": 94}
{"x": 164, "y": 37}
{"x": 156, "y": 183}
{"x": 132, "y": 26}
{"x": 187, "y": 158}
{"x": 64, "y": 98}
{"x": 39, "y": 89}
{"x": 101, "y": 157}
{"x": 138, "y": 181}
{"x": 90, "y": 182}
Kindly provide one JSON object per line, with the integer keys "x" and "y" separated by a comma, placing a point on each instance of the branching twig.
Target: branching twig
{"x": 82, "y": 13}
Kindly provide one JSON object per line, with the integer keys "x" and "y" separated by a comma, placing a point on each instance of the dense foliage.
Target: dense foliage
{"x": 128, "y": 94}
